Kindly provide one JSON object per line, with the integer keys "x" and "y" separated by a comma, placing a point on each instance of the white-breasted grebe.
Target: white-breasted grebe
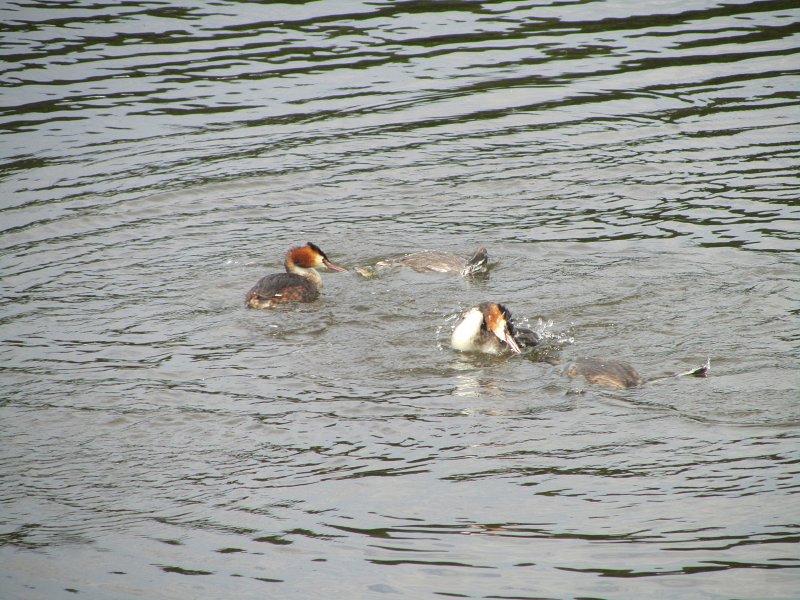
{"x": 433, "y": 261}
{"x": 300, "y": 283}
{"x": 488, "y": 328}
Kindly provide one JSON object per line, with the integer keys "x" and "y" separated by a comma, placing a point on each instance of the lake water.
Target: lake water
{"x": 632, "y": 169}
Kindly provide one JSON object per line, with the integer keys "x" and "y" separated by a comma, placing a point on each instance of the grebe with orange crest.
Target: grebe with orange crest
{"x": 300, "y": 283}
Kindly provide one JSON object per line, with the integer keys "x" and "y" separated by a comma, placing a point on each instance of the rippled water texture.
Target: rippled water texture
{"x": 632, "y": 169}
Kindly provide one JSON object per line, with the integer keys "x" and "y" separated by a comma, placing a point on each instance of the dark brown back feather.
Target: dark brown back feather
{"x": 282, "y": 287}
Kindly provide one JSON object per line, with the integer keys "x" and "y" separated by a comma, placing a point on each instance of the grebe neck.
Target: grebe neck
{"x": 311, "y": 274}
{"x": 466, "y": 334}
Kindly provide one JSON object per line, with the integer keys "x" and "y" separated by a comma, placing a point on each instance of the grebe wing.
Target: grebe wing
{"x": 282, "y": 287}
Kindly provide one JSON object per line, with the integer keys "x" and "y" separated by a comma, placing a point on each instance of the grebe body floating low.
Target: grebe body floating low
{"x": 300, "y": 283}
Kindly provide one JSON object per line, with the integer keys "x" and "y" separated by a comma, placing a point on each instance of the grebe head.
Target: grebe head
{"x": 310, "y": 256}
{"x": 497, "y": 319}
{"x": 485, "y": 328}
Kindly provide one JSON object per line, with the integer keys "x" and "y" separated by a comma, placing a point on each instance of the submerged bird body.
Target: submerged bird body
{"x": 436, "y": 261}
{"x": 611, "y": 373}
{"x": 300, "y": 283}
{"x": 620, "y": 375}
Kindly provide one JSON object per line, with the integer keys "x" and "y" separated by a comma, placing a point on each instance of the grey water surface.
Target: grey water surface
{"x": 632, "y": 169}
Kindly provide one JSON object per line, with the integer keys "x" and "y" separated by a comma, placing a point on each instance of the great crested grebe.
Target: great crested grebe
{"x": 619, "y": 374}
{"x": 616, "y": 374}
{"x": 300, "y": 283}
{"x": 488, "y": 328}
{"x": 433, "y": 261}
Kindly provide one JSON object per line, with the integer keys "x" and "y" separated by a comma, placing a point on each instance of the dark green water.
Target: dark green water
{"x": 632, "y": 168}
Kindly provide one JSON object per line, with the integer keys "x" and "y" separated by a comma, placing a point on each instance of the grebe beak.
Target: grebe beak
{"x": 333, "y": 267}
{"x": 511, "y": 343}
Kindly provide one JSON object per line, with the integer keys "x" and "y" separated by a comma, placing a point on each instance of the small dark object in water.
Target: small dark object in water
{"x": 524, "y": 336}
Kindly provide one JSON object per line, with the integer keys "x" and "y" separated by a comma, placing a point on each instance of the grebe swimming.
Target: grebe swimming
{"x": 433, "y": 261}
{"x": 619, "y": 374}
{"x": 488, "y": 328}
{"x": 616, "y": 374}
{"x": 300, "y": 283}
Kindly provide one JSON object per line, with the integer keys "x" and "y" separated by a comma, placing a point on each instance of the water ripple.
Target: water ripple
{"x": 632, "y": 172}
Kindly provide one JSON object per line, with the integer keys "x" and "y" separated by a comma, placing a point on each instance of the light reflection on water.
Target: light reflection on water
{"x": 632, "y": 171}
